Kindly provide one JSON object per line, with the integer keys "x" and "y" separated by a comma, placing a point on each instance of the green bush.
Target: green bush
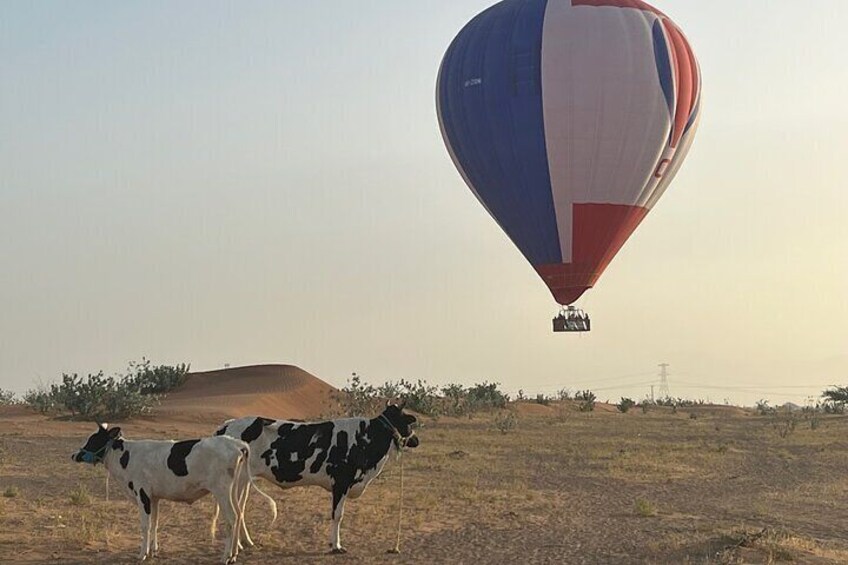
{"x": 356, "y": 398}
{"x": 159, "y": 379}
{"x": 98, "y": 397}
{"x": 487, "y": 395}
{"x": 420, "y": 397}
{"x": 586, "y": 400}
{"x": 625, "y": 405}
{"x": 41, "y": 399}
{"x": 543, "y": 400}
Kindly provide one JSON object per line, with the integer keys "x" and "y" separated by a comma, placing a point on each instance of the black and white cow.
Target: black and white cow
{"x": 182, "y": 471}
{"x": 343, "y": 456}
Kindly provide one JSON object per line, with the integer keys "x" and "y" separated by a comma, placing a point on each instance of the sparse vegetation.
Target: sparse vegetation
{"x": 506, "y": 421}
{"x": 358, "y": 398}
{"x": 644, "y": 508}
{"x": 11, "y": 491}
{"x": 80, "y": 496}
{"x": 763, "y": 408}
{"x": 625, "y": 405}
{"x": 7, "y": 397}
{"x": 586, "y": 400}
{"x": 543, "y": 400}
{"x": 98, "y": 397}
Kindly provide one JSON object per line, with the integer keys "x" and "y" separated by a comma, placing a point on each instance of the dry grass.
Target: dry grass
{"x": 585, "y": 487}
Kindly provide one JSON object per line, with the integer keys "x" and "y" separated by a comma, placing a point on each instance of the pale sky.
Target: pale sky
{"x": 218, "y": 182}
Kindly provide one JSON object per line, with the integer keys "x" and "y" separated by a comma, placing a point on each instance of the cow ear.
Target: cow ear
{"x": 103, "y": 425}
{"x": 115, "y": 433}
{"x": 388, "y": 402}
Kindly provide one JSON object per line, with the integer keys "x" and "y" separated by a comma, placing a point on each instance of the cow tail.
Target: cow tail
{"x": 214, "y": 527}
{"x": 271, "y": 502}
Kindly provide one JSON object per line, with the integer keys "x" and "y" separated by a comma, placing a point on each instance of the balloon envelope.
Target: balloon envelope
{"x": 568, "y": 119}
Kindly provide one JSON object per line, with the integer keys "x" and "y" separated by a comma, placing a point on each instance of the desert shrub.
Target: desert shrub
{"x": 543, "y": 400}
{"x": 644, "y": 508}
{"x": 835, "y": 400}
{"x": 487, "y": 395}
{"x": 763, "y": 408}
{"x": 455, "y": 400}
{"x": 563, "y": 394}
{"x": 625, "y": 405}
{"x": 520, "y": 397}
{"x": 388, "y": 390}
{"x": 506, "y": 421}
{"x": 98, "y": 397}
{"x": 7, "y": 397}
{"x": 586, "y": 400}
{"x": 784, "y": 424}
{"x": 41, "y": 400}
{"x": 11, "y": 492}
{"x": 356, "y": 398}
{"x": 420, "y": 397}
{"x": 156, "y": 379}
{"x": 830, "y": 407}
{"x": 80, "y": 496}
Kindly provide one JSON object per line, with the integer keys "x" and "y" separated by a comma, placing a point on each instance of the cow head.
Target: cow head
{"x": 95, "y": 448}
{"x": 402, "y": 422}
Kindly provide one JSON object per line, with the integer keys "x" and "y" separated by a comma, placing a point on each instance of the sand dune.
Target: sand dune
{"x": 274, "y": 391}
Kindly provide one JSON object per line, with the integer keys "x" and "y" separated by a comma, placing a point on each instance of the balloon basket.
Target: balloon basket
{"x": 572, "y": 320}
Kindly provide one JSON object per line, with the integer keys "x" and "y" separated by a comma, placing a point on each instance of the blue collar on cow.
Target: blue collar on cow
{"x": 95, "y": 457}
{"x": 399, "y": 440}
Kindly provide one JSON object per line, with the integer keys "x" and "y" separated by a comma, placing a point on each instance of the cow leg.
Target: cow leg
{"x": 154, "y": 526}
{"x": 339, "y": 496}
{"x": 225, "y": 502}
{"x": 144, "y": 552}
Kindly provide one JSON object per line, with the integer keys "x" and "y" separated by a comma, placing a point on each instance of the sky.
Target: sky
{"x": 265, "y": 182}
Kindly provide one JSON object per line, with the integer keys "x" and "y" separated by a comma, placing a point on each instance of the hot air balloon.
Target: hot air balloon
{"x": 568, "y": 119}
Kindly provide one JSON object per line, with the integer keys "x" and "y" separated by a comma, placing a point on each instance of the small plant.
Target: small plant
{"x": 644, "y": 508}
{"x": 521, "y": 397}
{"x": 506, "y": 421}
{"x": 543, "y": 400}
{"x": 7, "y": 397}
{"x": 763, "y": 408}
{"x": 625, "y": 405}
{"x": 784, "y": 425}
{"x": 80, "y": 496}
{"x": 563, "y": 394}
{"x": 11, "y": 492}
{"x": 587, "y": 400}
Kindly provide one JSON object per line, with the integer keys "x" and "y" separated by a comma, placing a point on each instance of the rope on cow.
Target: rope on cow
{"x": 396, "y": 549}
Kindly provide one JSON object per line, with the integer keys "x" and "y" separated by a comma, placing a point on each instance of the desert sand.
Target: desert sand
{"x": 706, "y": 485}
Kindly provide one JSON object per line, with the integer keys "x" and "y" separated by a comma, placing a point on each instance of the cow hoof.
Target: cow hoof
{"x": 338, "y": 551}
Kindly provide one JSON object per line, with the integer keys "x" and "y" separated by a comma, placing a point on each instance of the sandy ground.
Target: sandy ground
{"x": 716, "y": 486}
